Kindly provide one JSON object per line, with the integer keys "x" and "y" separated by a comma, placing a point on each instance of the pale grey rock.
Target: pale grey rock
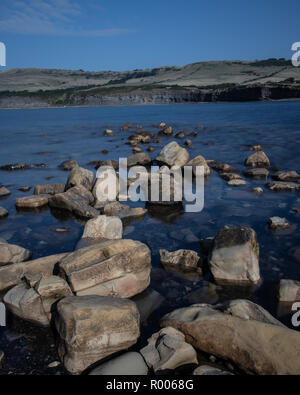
{"x": 173, "y": 155}
{"x": 103, "y": 227}
{"x": 129, "y": 364}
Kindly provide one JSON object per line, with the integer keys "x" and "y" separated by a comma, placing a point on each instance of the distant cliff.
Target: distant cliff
{"x": 146, "y": 96}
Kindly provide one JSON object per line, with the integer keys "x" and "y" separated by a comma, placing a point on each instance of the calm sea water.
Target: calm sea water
{"x": 51, "y": 136}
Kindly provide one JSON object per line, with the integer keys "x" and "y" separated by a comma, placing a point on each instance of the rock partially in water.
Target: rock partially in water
{"x": 288, "y": 176}
{"x": 173, "y": 155}
{"x": 94, "y": 327}
{"x": 206, "y": 370}
{"x": 34, "y": 303}
{"x": 108, "y": 132}
{"x": 256, "y": 148}
{"x": 103, "y": 227}
{"x": 199, "y": 161}
{"x": 123, "y": 211}
{"x": 237, "y": 183}
{"x": 15, "y": 166}
{"x": 230, "y": 176}
{"x": 68, "y": 165}
{"x": 281, "y": 186}
{"x": 33, "y": 201}
{"x": 77, "y": 200}
{"x": 80, "y": 177}
{"x": 258, "y": 191}
{"x": 289, "y": 291}
{"x": 11, "y": 253}
{"x": 12, "y": 274}
{"x": 24, "y": 189}
{"x": 168, "y": 350}
{"x": 49, "y": 189}
{"x": 235, "y": 256}
{"x": 180, "y": 135}
{"x": 3, "y": 212}
{"x": 259, "y": 159}
{"x": 4, "y": 192}
{"x": 120, "y": 268}
{"x": 141, "y": 159}
{"x": 220, "y": 167}
{"x": 168, "y": 131}
{"x": 182, "y": 259}
{"x": 254, "y": 346}
{"x": 278, "y": 223}
{"x": 188, "y": 143}
{"x": 128, "y": 364}
{"x": 257, "y": 173}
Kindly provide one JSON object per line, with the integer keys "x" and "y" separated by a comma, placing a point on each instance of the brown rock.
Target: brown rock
{"x": 184, "y": 259}
{"x": 49, "y": 189}
{"x": 173, "y": 155}
{"x": 11, "y": 253}
{"x": 33, "y": 201}
{"x": 199, "y": 161}
{"x": 259, "y": 159}
{"x": 80, "y": 177}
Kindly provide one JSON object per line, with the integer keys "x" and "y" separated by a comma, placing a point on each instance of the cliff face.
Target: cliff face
{"x": 146, "y": 96}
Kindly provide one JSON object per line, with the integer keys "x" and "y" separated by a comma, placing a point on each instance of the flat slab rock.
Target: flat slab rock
{"x": 123, "y": 211}
{"x": 33, "y": 201}
{"x": 11, "y": 253}
{"x": 118, "y": 267}
{"x": 128, "y": 364}
{"x": 280, "y": 186}
{"x": 257, "y": 173}
{"x": 206, "y": 370}
{"x": 278, "y": 223}
{"x": 94, "y": 327}
{"x": 237, "y": 183}
{"x": 49, "y": 189}
{"x": 290, "y": 176}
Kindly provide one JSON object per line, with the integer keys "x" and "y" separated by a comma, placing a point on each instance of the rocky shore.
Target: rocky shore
{"x": 96, "y": 298}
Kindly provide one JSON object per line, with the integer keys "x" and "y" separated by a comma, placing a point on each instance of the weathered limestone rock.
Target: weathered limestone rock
{"x": 11, "y": 253}
{"x": 288, "y": 176}
{"x": 183, "y": 259}
{"x": 278, "y": 223}
{"x": 289, "y": 291}
{"x": 4, "y": 192}
{"x": 34, "y": 304}
{"x": 141, "y": 159}
{"x": 281, "y": 186}
{"x": 49, "y": 189}
{"x": 220, "y": 167}
{"x": 103, "y": 227}
{"x": 168, "y": 350}
{"x": 206, "y": 370}
{"x": 68, "y": 165}
{"x": 120, "y": 268}
{"x": 168, "y": 131}
{"x": 254, "y": 346}
{"x": 257, "y": 173}
{"x": 33, "y": 201}
{"x": 76, "y": 200}
{"x": 236, "y": 183}
{"x": 123, "y": 211}
{"x": 173, "y": 155}
{"x": 128, "y": 364}
{"x": 259, "y": 159}
{"x": 3, "y": 212}
{"x": 235, "y": 256}
{"x": 12, "y": 274}
{"x": 80, "y": 177}
{"x": 199, "y": 161}
{"x": 94, "y": 327}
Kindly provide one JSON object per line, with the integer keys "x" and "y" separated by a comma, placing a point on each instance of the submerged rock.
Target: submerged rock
{"x": 34, "y": 303}
{"x": 120, "y": 268}
{"x": 24, "y": 189}
{"x": 167, "y": 350}
{"x": 199, "y": 161}
{"x": 220, "y": 167}
{"x": 259, "y": 159}
{"x": 4, "y": 192}
{"x": 11, "y": 253}
{"x": 278, "y": 223}
{"x": 280, "y": 186}
{"x": 3, "y": 212}
{"x": 128, "y": 364}
{"x": 173, "y": 155}
{"x": 235, "y": 256}
{"x": 254, "y": 346}
{"x": 15, "y": 166}
{"x": 289, "y": 176}
{"x": 33, "y": 201}
{"x": 94, "y": 327}
{"x": 103, "y": 227}
{"x": 230, "y": 176}
{"x": 289, "y": 291}
{"x": 182, "y": 259}
{"x": 257, "y": 173}
{"x": 80, "y": 177}
{"x": 49, "y": 189}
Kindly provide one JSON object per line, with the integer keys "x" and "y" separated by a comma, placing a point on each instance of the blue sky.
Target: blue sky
{"x": 132, "y": 34}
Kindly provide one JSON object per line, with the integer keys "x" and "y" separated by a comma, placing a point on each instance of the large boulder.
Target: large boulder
{"x": 12, "y": 275}
{"x": 34, "y": 303}
{"x": 173, "y": 155}
{"x": 103, "y": 227}
{"x": 120, "y": 268}
{"x": 80, "y": 177}
{"x": 235, "y": 256}
{"x": 259, "y": 159}
{"x": 77, "y": 200}
{"x": 199, "y": 161}
{"x": 128, "y": 364}
{"x": 11, "y": 253}
{"x": 94, "y": 327}
{"x": 254, "y": 346}
{"x": 168, "y": 350}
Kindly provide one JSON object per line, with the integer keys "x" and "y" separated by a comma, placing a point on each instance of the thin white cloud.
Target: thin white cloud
{"x": 49, "y": 17}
